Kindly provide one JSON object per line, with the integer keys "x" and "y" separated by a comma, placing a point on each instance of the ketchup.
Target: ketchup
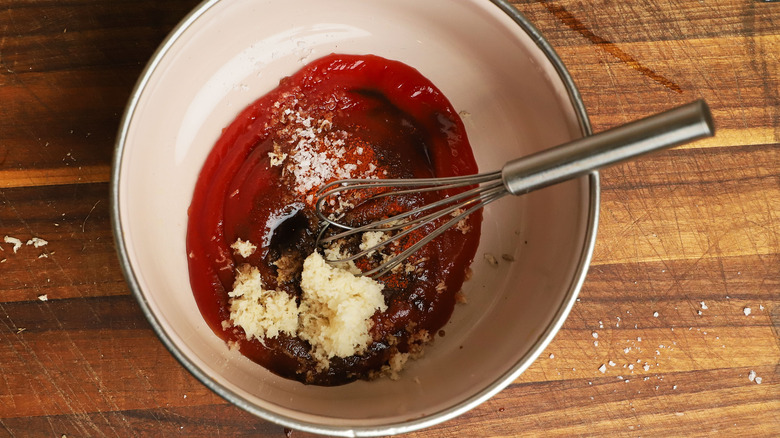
{"x": 340, "y": 116}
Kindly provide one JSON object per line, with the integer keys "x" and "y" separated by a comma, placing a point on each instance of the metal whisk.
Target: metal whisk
{"x": 567, "y": 161}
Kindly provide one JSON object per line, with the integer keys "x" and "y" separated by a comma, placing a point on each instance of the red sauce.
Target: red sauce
{"x": 384, "y": 119}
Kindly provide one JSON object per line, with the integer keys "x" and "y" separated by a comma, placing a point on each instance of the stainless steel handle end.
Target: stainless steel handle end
{"x": 670, "y": 128}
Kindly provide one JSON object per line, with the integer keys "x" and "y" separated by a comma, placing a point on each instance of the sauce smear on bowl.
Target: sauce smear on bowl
{"x": 341, "y": 116}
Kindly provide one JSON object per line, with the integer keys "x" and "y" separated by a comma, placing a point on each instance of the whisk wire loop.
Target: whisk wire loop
{"x": 466, "y": 208}
{"x": 335, "y": 188}
{"x": 403, "y": 220}
{"x": 396, "y": 260}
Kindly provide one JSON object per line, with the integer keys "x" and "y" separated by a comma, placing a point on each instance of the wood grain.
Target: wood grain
{"x": 689, "y": 239}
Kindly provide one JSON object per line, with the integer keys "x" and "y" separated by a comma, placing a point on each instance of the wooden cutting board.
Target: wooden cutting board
{"x": 676, "y": 331}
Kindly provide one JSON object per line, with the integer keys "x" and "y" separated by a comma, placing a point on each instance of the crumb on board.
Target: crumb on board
{"x": 13, "y": 241}
{"x": 43, "y": 297}
{"x": 37, "y": 242}
{"x": 491, "y": 259}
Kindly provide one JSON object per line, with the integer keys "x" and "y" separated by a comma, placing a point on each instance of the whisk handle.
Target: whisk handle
{"x": 674, "y": 127}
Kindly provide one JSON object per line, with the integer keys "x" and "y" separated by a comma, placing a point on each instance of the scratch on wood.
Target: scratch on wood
{"x": 84, "y": 224}
{"x": 759, "y": 64}
{"x": 6, "y": 429}
{"x": 90, "y": 424}
{"x": 774, "y": 319}
{"x": 576, "y": 25}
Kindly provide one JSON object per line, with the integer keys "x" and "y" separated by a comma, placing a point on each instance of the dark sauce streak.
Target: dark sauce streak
{"x": 416, "y": 139}
{"x": 576, "y": 25}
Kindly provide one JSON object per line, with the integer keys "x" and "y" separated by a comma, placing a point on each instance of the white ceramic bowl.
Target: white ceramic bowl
{"x": 515, "y": 97}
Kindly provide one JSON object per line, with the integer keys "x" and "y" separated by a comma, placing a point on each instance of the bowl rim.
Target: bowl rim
{"x": 543, "y": 340}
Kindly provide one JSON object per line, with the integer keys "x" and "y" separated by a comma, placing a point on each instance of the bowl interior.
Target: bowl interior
{"x": 512, "y": 101}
